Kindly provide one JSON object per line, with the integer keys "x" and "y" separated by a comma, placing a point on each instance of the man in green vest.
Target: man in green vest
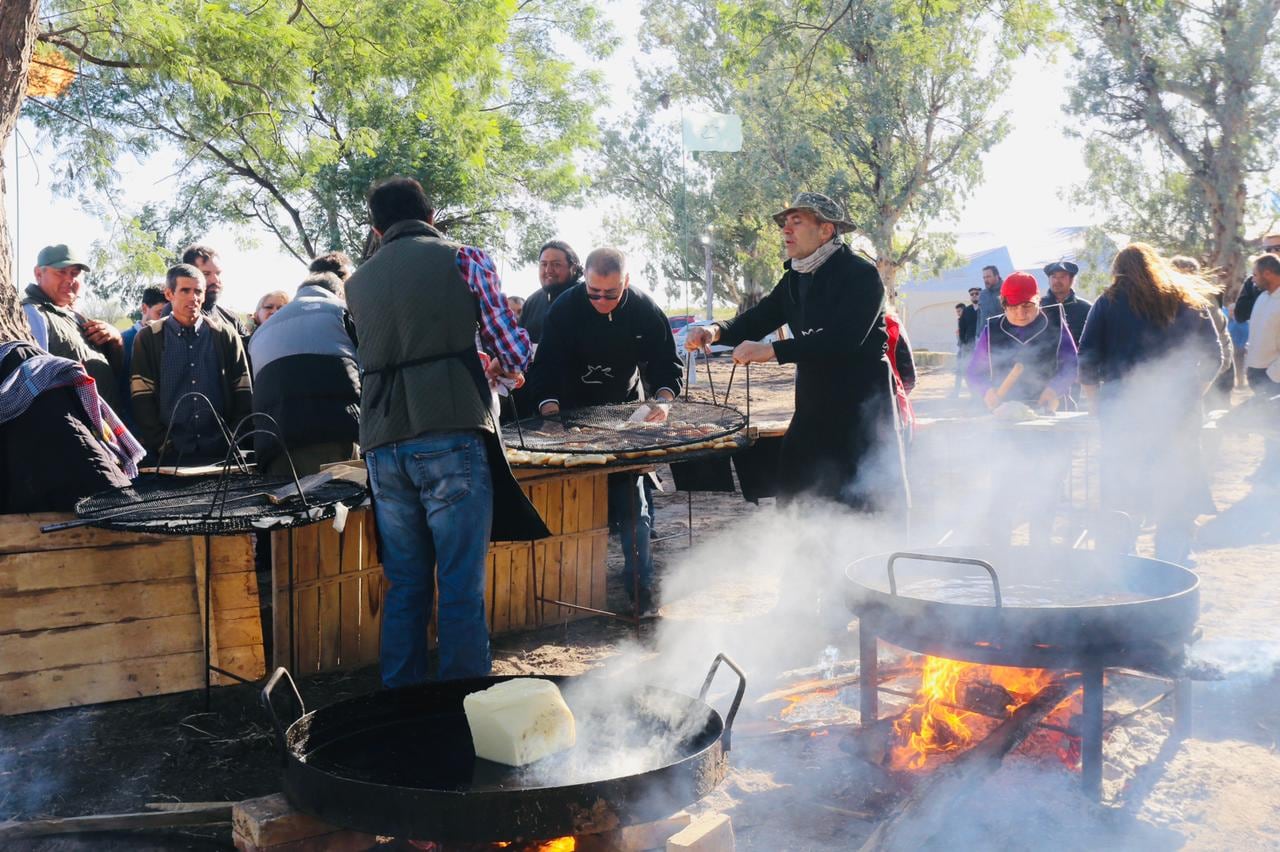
{"x": 60, "y": 330}
{"x": 441, "y": 484}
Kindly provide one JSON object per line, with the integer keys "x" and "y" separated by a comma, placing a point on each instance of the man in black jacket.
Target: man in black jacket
{"x": 966, "y": 334}
{"x": 1062, "y": 277}
{"x": 1250, "y": 291}
{"x": 844, "y": 441}
{"x": 558, "y": 270}
{"x": 600, "y": 338}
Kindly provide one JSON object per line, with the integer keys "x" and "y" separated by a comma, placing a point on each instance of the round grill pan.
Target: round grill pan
{"x": 400, "y": 762}
{"x": 1156, "y": 605}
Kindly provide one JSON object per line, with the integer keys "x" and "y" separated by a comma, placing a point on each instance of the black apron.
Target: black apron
{"x": 514, "y": 517}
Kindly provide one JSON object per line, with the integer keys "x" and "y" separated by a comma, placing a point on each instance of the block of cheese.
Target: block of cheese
{"x": 519, "y": 721}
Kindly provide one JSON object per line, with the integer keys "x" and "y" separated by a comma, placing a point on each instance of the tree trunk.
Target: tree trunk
{"x": 17, "y": 37}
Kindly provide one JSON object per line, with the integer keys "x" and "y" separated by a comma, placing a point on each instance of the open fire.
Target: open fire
{"x": 958, "y": 703}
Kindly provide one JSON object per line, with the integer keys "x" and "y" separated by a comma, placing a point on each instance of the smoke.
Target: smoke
{"x": 769, "y": 590}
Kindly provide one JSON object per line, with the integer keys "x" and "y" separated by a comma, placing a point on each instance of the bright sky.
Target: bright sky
{"x": 1020, "y": 198}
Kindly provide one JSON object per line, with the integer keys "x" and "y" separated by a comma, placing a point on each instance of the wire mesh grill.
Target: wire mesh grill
{"x": 607, "y": 428}
{"x": 215, "y": 506}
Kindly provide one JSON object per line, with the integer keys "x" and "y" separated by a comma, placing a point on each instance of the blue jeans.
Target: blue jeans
{"x": 433, "y": 501}
{"x": 629, "y": 509}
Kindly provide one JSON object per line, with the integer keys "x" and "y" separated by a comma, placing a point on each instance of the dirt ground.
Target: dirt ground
{"x": 758, "y": 586}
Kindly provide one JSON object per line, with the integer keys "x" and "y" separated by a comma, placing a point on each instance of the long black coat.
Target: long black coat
{"x": 844, "y": 442}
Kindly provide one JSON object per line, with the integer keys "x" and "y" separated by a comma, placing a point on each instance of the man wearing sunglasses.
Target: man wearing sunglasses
{"x": 601, "y": 339}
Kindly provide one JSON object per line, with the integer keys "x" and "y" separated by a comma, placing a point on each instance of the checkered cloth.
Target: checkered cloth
{"x": 47, "y": 372}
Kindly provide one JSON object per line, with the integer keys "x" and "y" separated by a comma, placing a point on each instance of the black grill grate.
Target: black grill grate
{"x": 605, "y": 429}
{"x": 214, "y": 505}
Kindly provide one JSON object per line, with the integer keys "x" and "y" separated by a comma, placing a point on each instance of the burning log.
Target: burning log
{"x": 978, "y": 762}
{"x": 887, "y": 673}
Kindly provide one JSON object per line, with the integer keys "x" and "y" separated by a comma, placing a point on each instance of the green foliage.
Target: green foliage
{"x": 285, "y": 112}
{"x": 885, "y": 105}
{"x": 1181, "y": 107}
{"x": 132, "y": 257}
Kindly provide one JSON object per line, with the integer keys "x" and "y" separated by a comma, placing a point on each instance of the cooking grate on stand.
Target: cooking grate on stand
{"x": 234, "y": 503}
{"x": 606, "y": 428}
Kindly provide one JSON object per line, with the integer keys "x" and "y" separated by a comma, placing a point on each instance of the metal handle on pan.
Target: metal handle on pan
{"x": 737, "y": 698}
{"x": 265, "y": 698}
{"x": 953, "y": 560}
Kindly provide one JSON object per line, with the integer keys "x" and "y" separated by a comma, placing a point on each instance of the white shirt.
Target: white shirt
{"x": 1264, "y": 335}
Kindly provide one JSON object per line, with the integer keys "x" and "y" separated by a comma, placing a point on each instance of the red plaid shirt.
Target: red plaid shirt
{"x": 499, "y": 332}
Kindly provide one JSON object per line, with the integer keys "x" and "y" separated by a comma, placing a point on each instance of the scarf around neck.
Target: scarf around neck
{"x": 819, "y": 256}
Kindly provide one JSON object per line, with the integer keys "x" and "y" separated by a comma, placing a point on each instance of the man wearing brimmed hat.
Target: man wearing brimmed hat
{"x": 60, "y": 330}
{"x": 844, "y": 440}
{"x": 1062, "y": 277}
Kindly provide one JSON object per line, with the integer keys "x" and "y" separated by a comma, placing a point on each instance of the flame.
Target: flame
{"x": 937, "y": 722}
{"x": 560, "y": 844}
{"x": 794, "y": 701}
{"x": 51, "y": 73}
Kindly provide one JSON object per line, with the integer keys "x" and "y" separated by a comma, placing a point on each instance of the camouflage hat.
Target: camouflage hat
{"x": 819, "y": 205}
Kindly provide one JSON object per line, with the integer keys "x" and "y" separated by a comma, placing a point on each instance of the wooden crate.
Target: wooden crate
{"x": 339, "y": 586}
{"x": 88, "y": 616}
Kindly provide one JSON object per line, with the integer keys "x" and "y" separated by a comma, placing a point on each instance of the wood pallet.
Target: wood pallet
{"x": 88, "y": 615}
{"x": 339, "y": 586}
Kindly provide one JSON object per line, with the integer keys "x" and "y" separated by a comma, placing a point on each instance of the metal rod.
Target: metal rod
{"x": 710, "y": 381}
{"x": 689, "y": 494}
{"x": 293, "y": 651}
{"x": 729, "y": 387}
{"x": 1091, "y": 733}
{"x": 869, "y": 666}
{"x": 633, "y": 519}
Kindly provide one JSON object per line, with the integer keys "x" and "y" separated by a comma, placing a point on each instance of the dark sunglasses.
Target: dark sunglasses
{"x": 604, "y": 297}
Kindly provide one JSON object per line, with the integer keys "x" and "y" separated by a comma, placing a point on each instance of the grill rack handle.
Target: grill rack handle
{"x": 737, "y": 698}
{"x": 951, "y": 560}
{"x": 266, "y": 699}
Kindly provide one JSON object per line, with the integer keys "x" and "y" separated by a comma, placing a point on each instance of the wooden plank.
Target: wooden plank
{"x": 93, "y": 684}
{"x": 521, "y": 618}
{"x": 349, "y": 595}
{"x": 549, "y": 582}
{"x": 600, "y": 517}
{"x": 569, "y": 574}
{"x": 600, "y": 569}
{"x": 587, "y": 501}
{"x": 307, "y": 601}
{"x": 232, "y": 554}
{"x": 233, "y": 591}
{"x": 281, "y": 545}
{"x": 372, "y": 589}
{"x": 97, "y": 605}
{"x": 68, "y": 569}
{"x": 538, "y": 496}
{"x": 555, "y": 507}
{"x": 501, "y": 620}
{"x": 569, "y": 488}
{"x": 585, "y": 557}
{"x": 244, "y": 630}
{"x": 36, "y": 650}
{"x": 200, "y": 560}
{"x": 330, "y": 605}
{"x": 21, "y": 534}
{"x": 246, "y": 662}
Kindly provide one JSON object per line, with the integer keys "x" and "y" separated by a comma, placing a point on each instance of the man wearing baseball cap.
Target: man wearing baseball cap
{"x": 1062, "y": 277}
{"x": 1023, "y": 356}
{"x": 844, "y": 441}
{"x": 60, "y": 330}
{"x": 966, "y": 334}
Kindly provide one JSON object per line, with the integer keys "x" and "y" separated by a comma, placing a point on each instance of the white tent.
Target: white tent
{"x": 928, "y": 305}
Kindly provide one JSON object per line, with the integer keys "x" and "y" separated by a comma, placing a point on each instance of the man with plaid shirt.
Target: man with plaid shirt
{"x": 441, "y": 485}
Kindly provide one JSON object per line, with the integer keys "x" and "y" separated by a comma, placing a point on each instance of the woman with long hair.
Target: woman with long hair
{"x": 1148, "y": 353}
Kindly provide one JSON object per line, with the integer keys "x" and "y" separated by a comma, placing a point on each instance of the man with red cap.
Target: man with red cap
{"x": 1023, "y": 355}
